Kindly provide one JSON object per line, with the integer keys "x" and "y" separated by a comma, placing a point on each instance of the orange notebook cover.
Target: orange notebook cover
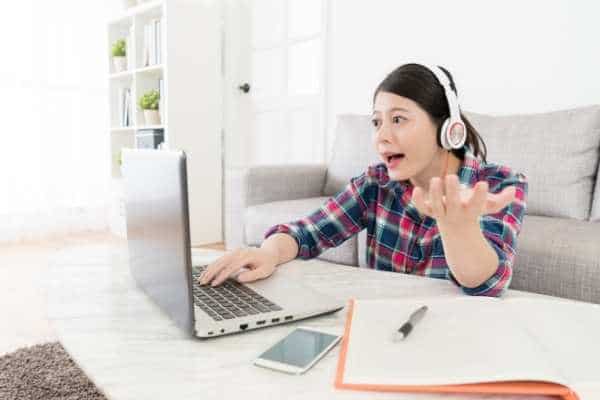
{"x": 513, "y": 387}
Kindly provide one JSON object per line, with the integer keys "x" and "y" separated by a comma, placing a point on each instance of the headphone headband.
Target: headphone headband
{"x": 450, "y": 94}
{"x": 453, "y": 132}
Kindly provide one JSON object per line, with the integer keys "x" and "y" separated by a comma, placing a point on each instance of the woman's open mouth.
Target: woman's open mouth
{"x": 394, "y": 159}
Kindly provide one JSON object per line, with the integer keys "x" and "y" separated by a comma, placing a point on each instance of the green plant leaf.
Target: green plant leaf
{"x": 149, "y": 100}
{"x": 118, "y": 48}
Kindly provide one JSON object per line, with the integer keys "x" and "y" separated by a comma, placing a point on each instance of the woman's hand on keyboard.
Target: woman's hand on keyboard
{"x": 245, "y": 264}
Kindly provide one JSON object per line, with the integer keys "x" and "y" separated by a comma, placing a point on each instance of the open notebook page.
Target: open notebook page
{"x": 458, "y": 341}
{"x": 568, "y": 333}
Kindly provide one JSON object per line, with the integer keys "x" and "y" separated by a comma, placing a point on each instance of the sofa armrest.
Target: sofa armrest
{"x": 263, "y": 184}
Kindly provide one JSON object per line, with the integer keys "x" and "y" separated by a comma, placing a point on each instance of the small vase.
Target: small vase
{"x": 120, "y": 64}
{"x": 152, "y": 117}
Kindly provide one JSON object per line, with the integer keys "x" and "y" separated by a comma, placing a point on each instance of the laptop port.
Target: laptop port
{"x": 243, "y": 326}
{"x": 288, "y": 317}
{"x": 210, "y": 333}
{"x": 275, "y": 320}
{"x": 222, "y": 330}
{"x": 260, "y": 322}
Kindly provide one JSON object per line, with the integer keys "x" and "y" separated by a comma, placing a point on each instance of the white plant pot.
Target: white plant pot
{"x": 120, "y": 64}
{"x": 152, "y": 117}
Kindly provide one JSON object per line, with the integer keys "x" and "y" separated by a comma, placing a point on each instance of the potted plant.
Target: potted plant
{"x": 118, "y": 55}
{"x": 149, "y": 103}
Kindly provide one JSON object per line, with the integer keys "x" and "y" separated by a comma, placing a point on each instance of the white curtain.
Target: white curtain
{"x": 54, "y": 157}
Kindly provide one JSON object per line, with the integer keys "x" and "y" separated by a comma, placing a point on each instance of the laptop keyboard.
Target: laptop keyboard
{"x": 229, "y": 300}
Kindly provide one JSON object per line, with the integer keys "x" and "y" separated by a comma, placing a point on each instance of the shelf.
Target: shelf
{"x": 193, "y": 29}
{"x": 121, "y": 20}
{"x": 121, "y": 75}
{"x": 136, "y": 128}
{"x": 123, "y": 129}
{"x": 150, "y": 127}
{"x": 151, "y": 69}
{"x": 140, "y": 9}
{"x": 144, "y": 8}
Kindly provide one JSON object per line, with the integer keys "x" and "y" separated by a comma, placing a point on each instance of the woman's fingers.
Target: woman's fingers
{"x": 435, "y": 185}
{"x": 214, "y": 268}
{"x": 480, "y": 194}
{"x": 231, "y": 269}
{"x": 497, "y": 201}
{"x": 453, "y": 201}
{"x": 478, "y": 199}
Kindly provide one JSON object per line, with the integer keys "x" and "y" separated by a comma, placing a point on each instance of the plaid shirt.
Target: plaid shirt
{"x": 398, "y": 238}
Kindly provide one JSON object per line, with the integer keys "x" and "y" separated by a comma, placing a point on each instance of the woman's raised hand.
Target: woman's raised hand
{"x": 460, "y": 205}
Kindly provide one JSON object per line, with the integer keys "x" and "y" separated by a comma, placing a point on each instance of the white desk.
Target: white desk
{"x": 131, "y": 350}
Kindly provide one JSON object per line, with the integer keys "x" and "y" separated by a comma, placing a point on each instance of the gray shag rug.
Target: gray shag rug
{"x": 44, "y": 371}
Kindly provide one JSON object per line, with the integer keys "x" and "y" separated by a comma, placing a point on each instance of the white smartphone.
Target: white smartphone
{"x": 298, "y": 351}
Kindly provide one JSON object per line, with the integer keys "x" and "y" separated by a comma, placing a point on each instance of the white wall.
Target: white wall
{"x": 506, "y": 57}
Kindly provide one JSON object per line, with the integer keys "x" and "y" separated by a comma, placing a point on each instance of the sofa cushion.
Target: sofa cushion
{"x": 559, "y": 257}
{"x": 353, "y": 151}
{"x": 557, "y": 151}
{"x": 259, "y": 218}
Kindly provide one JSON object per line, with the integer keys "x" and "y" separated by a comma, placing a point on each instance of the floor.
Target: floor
{"x": 22, "y": 303}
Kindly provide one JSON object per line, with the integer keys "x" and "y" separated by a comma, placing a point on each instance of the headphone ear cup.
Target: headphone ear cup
{"x": 457, "y": 134}
{"x": 444, "y": 134}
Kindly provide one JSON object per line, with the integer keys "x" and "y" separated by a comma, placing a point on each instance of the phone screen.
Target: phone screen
{"x": 299, "y": 348}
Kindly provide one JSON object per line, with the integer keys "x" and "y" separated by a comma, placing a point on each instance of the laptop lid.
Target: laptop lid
{"x": 158, "y": 237}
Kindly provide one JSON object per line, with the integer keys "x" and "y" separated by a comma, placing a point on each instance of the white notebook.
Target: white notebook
{"x": 475, "y": 339}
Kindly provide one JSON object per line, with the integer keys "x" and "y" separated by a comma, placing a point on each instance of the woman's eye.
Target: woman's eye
{"x": 375, "y": 122}
{"x": 396, "y": 119}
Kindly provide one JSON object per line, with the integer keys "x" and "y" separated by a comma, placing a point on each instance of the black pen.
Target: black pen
{"x": 408, "y": 326}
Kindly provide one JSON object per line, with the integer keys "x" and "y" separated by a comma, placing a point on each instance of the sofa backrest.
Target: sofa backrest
{"x": 558, "y": 152}
{"x": 352, "y": 152}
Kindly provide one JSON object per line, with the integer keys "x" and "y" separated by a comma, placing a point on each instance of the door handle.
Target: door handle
{"x": 244, "y": 88}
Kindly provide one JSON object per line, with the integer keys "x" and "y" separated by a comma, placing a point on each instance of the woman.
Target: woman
{"x": 430, "y": 208}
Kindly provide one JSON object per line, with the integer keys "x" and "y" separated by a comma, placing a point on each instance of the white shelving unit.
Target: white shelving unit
{"x": 191, "y": 105}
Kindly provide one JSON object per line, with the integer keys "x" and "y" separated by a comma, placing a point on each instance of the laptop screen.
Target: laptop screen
{"x": 155, "y": 185}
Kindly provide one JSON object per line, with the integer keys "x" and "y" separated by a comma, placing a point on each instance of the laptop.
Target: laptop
{"x": 158, "y": 238}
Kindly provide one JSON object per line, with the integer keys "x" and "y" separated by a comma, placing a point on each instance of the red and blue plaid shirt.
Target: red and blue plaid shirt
{"x": 398, "y": 238}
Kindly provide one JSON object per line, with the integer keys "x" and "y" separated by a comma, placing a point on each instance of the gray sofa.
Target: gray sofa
{"x": 558, "y": 249}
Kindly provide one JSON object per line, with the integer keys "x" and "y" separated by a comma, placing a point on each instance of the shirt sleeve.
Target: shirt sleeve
{"x": 501, "y": 231}
{"x": 338, "y": 219}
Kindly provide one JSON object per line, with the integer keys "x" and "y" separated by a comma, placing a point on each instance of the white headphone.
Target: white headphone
{"x": 454, "y": 132}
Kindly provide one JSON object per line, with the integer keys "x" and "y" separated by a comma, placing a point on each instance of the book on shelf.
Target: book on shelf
{"x": 120, "y": 97}
{"x": 146, "y": 45}
{"x": 161, "y": 100}
{"x": 124, "y": 107}
{"x": 127, "y": 118}
{"x": 157, "y": 47}
{"x": 152, "y": 40}
{"x": 130, "y": 44}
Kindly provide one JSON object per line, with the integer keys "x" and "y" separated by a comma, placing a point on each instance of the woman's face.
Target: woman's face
{"x": 402, "y": 126}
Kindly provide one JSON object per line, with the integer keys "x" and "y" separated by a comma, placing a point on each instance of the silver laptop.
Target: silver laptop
{"x": 158, "y": 237}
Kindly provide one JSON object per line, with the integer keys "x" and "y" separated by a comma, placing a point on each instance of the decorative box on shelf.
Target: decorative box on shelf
{"x": 149, "y": 138}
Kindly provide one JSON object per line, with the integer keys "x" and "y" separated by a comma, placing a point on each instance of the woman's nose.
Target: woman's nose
{"x": 384, "y": 132}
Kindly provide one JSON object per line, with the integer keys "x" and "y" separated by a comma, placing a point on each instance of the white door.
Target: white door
{"x": 274, "y": 74}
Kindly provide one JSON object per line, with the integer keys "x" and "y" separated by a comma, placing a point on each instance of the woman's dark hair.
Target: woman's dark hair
{"x": 418, "y": 83}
